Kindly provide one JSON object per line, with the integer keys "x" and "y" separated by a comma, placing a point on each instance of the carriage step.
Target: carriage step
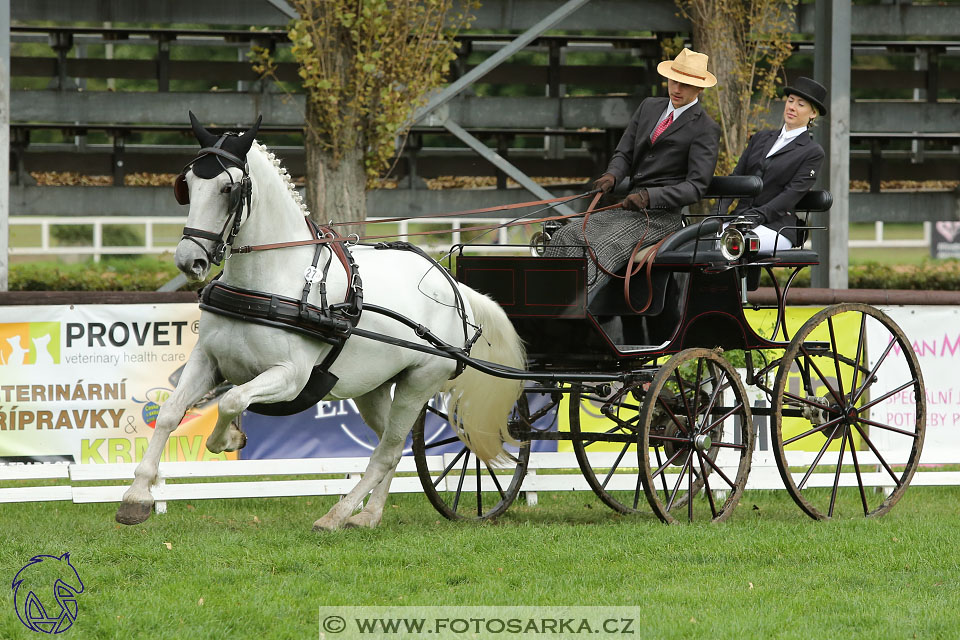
{"x": 626, "y": 348}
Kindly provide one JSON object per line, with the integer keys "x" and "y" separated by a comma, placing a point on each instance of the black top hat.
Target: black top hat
{"x": 811, "y": 91}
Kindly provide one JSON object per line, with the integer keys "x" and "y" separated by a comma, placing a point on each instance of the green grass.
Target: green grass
{"x": 261, "y": 572}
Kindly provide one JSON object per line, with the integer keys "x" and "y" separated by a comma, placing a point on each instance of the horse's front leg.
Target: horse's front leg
{"x": 199, "y": 376}
{"x": 277, "y": 384}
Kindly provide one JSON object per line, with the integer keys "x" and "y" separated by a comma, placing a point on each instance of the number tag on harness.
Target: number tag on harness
{"x": 311, "y": 274}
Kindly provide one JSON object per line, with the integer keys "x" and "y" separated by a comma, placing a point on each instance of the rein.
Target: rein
{"x": 357, "y": 238}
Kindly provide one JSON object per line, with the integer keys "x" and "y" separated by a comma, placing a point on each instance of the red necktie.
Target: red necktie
{"x": 661, "y": 127}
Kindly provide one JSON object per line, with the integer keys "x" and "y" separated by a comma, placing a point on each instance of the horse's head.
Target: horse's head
{"x": 217, "y": 186}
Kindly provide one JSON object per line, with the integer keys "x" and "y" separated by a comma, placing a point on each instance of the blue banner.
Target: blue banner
{"x": 335, "y": 429}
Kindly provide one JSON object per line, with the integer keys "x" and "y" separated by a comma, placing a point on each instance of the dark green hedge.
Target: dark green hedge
{"x": 941, "y": 275}
{"x": 129, "y": 274}
{"x": 148, "y": 274}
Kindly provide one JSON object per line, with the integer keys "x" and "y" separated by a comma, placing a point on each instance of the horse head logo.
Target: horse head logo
{"x": 32, "y": 593}
{"x": 948, "y": 230}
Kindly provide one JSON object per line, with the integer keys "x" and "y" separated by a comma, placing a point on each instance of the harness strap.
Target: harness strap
{"x": 460, "y": 306}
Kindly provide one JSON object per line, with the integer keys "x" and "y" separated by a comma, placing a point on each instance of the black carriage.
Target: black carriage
{"x": 688, "y": 376}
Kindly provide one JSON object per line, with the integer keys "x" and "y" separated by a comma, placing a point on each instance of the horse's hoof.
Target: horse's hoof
{"x": 361, "y": 521}
{"x": 133, "y": 512}
{"x": 322, "y": 526}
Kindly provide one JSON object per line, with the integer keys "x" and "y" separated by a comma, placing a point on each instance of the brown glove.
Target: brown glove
{"x": 604, "y": 183}
{"x": 637, "y": 201}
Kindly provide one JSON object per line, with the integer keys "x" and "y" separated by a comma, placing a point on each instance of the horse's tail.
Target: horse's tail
{"x": 480, "y": 404}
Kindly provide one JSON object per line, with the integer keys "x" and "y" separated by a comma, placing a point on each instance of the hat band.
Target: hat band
{"x": 684, "y": 73}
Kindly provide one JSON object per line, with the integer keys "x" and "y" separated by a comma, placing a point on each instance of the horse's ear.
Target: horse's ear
{"x": 246, "y": 140}
{"x": 204, "y": 137}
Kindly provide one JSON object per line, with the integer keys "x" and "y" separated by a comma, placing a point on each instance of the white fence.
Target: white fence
{"x": 97, "y": 249}
{"x": 541, "y": 476}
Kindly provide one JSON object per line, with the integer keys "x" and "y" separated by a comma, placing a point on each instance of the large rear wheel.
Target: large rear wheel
{"x": 835, "y": 456}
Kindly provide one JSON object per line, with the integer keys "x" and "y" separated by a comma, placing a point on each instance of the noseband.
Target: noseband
{"x": 238, "y": 194}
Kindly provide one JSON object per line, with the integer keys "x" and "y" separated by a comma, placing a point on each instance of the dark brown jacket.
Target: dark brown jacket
{"x": 677, "y": 168}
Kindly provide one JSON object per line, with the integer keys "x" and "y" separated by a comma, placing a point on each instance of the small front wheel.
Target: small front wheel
{"x": 467, "y": 488}
{"x": 697, "y": 426}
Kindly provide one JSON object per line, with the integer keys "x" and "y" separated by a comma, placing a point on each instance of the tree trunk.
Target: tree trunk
{"x": 336, "y": 189}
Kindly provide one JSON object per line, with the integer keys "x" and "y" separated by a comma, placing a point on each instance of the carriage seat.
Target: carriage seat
{"x": 679, "y": 247}
{"x": 609, "y": 299}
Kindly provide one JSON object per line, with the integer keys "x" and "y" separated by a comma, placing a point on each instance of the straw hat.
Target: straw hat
{"x": 689, "y": 67}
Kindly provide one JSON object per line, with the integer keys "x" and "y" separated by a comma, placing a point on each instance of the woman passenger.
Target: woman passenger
{"x": 787, "y": 160}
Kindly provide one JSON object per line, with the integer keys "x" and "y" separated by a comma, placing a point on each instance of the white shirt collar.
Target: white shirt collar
{"x": 676, "y": 112}
{"x": 791, "y": 134}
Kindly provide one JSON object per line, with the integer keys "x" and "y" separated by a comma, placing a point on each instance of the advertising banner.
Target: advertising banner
{"x": 84, "y": 383}
{"x": 934, "y": 333}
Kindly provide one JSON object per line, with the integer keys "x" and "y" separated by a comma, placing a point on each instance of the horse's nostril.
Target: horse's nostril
{"x": 199, "y": 265}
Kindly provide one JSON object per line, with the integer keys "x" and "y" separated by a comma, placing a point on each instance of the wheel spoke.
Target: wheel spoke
{"x": 877, "y": 453}
{"x": 729, "y": 445}
{"x": 888, "y": 394}
{"x": 825, "y": 425}
{"x": 810, "y": 361}
{"x": 616, "y": 463}
{"x": 479, "y": 493}
{"x": 696, "y": 389}
{"x": 856, "y": 467}
{"x": 463, "y": 474}
{"x": 816, "y": 460}
{"x": 836, "y": 477}
{"x": 716, "y": 392}
{"x": 608, "y": 432}
{"x": 721, "y": 419}
{"x": 450, "y": 466}
{"x": 440, "y": 443}
{"x": 887, "y": 427}
{"x": 676, "y": 487}
{"x": 659, "y": 466}
{"x": 495, "y": 481}
{"x": 683, "y": 393}
{"x": 636, "y": 489}
{"x": 861, "y": 338}
{"x": 713, "y": 465}
{"x": 666, "y": 464}
{"x": 811, "y": 403}
{"x": 672, "y": 415}
{"x": 836, "y": 360}
{"x": 706, "y": 483}
{"x": 869, "y": 377}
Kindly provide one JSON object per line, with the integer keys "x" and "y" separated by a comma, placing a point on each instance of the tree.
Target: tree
{"x": 748, "y": 42}
{"x": 365, "y": 65}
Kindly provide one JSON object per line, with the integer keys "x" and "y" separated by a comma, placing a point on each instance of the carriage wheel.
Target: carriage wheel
{"x": 698, "y": 429}
{"x": 468, "y": 488}
{"x": 830, "y": 450}
{"x": 617, "y": 474}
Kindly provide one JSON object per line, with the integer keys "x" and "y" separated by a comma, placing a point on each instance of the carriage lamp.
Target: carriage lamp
{"x": 738, "y": 239}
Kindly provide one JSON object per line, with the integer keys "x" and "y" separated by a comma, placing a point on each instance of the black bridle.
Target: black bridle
{"x": 238, "y": 194}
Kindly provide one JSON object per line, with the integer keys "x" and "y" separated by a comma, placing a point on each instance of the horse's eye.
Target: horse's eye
{"x": 226, "y": 188}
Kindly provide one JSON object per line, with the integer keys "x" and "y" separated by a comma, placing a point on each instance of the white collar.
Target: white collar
{"x": 675, "y": 111}
{"x": 791, "y": 134}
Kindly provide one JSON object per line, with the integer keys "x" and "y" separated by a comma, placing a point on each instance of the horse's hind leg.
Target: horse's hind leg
{"x": 409, "y": 398}
{"x": 277, "y": 384}
{"x": 199, "y": 376}
{"x": 374, "y": 407}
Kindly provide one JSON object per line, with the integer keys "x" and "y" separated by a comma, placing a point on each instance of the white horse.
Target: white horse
{"x": 390, "y": 384}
